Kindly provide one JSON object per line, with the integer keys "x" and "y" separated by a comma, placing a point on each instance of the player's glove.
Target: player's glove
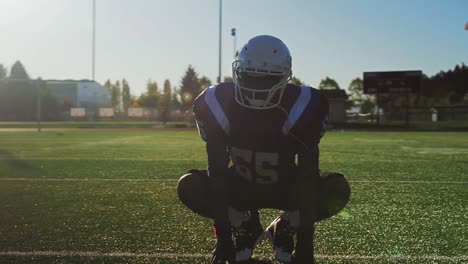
{"x": 224, "y": 252}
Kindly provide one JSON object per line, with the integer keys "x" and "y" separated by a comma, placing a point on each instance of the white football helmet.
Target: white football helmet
{"x": 261, "y": 71}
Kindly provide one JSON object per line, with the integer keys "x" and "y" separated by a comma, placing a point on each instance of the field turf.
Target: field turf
{"x": 109, "y": 197}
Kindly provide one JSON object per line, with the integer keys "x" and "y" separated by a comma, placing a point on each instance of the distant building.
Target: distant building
{"x": 337, "y": 105}
{"x": 84, "y": 94}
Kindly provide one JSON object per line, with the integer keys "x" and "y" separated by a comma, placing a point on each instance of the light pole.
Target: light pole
{"x": 93, "y": 59}
{"x": 220, "y": 24}
{"x": 233, "y": 34}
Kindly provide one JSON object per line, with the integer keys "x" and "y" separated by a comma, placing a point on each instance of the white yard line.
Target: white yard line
{"x": 95, "y": 159}
{"x": 175, "y": 180}
{"x": 412, "y": 182}
{"x": 88, "y": 180}
{"x": 96, "y": 254}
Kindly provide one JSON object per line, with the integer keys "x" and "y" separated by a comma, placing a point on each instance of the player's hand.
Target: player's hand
{"x": 224, "y": 252}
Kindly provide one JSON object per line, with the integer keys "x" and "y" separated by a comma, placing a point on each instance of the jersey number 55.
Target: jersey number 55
{"x": 256, "y": 167}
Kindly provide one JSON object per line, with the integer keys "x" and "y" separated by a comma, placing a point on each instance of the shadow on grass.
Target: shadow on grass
{"x": 12, "y": 166}
{"x": 11, "y": 160}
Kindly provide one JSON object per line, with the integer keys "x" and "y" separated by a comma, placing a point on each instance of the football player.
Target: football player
{"x": 262, "y": 139}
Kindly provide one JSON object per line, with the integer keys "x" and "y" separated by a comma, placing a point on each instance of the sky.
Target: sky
{"x": 157, "y": 39}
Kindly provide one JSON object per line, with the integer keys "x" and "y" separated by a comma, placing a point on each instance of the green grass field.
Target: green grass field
{"x": 109, "y": 197}
{"x": 102, "y": 124}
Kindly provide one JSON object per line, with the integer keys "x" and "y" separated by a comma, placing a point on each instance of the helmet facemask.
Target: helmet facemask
{"x": 259, "y": 89}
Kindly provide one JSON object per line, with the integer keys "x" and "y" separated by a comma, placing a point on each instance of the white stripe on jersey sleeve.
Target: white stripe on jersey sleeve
{"x": 216, "y": 109}
{"x": 298, "y": 108}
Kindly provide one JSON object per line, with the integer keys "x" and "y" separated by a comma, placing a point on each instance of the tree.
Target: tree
{"x": 367, "y": 106}
{"x": 135, "y": 102}
{"x": 18, "y": 71}
{"x": 228, "y": 79}
{"x": 167, "y": 89}
{"x": 151, "y": 88}
{"x": 356, "y": 90}
{"x": 126, "y": 96}
{"x": 296, "y": 81}
{"x": 115, "y": 96}
{"x": 108, "y": 84}
{"x": 18, "y": 100}
{"x": 358, "y": 98}
{"x": 205, "y": 82}
{"x": 190, "y": 87}
{"x": 150, "y": 99}
{"x": 165, "y": 101}
{"x": 328, "y": 83}
{"x": 3, "y": 72}
{"x": 175, "y": 101}
{"x": 446, "y": 87}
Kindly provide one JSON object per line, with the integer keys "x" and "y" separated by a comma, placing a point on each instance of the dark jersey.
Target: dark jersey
{"x": 261, "y": 144}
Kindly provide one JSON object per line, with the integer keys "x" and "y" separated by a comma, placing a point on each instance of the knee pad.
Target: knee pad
{"x": 194, "y": 192}
{"x": 335, "y": 193}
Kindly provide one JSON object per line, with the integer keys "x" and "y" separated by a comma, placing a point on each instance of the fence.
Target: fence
{"x": 439, "y": 117}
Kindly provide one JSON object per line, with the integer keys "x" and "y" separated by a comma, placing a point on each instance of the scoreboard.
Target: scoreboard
{"x": 392, "y": 82}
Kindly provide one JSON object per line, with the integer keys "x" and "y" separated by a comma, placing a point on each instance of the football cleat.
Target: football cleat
{"x": 223, "y": 252}
{"x": 246, "y": 236}
{"x": 281, "y": 234}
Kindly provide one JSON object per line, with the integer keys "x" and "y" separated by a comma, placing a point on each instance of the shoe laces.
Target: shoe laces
{"x": 284, "y": 235}
{"x": 246, "y": 234}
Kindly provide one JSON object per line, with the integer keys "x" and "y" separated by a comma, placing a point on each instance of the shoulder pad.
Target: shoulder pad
{"x": 207, "y": 109}
{"x": 306, "y": 102}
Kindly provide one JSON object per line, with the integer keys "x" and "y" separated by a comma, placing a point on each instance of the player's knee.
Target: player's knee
{"x": 193, "y": 191}
{"x": 336, "y": 183}
{"x": 335, "y": 195}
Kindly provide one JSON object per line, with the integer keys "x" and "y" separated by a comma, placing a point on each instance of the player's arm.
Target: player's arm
{"x": 308, "y": 181}
{"x": 308, "y": 157}
{"x": 218, "y": 161}
{"x": 218, "y": 172}
{"x": 218, "y": 158}
{"x": 308, "y": 185}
